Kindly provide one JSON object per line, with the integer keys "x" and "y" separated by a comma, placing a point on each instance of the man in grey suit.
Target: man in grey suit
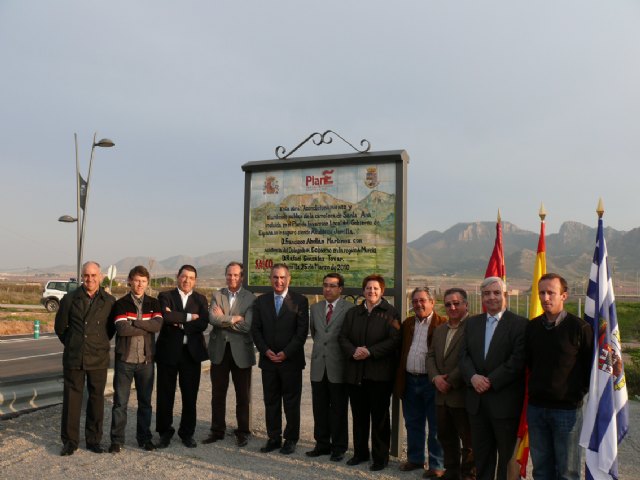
{"x": 231, "y": 351}
{"x": 329, "y": 393}
{"x": 444, "y": 372}
{"x": 492, "y": 365}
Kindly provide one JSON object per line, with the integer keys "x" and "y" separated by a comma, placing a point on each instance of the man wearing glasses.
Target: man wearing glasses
{"x": 444, "y": 373}
{"x": 329, "y": 393}
{"x": 415, "y": 389}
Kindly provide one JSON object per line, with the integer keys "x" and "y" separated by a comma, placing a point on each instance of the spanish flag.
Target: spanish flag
{"x": 539, "y": 269}
{"x": 535, "y": 310}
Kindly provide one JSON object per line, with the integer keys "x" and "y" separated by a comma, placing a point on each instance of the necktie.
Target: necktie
{"x": 278, "y": 304}
{"x": 232, "y": 299}
{"x": 488, "y": 334}
{"x": 329, "y": 313}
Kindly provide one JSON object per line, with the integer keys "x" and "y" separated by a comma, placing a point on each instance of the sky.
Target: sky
{"x": 500, "y": 105}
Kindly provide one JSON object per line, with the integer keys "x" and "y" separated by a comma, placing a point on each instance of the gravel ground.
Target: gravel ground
{"x": 30, "y": 446}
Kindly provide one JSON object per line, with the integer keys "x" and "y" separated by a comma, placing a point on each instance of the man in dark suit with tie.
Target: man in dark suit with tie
{"x": 180, "y": 349}
{"x": 492, "y": 365}
{"x": 231, "y": 352}
{"x": 329, "y": 392}
{"x": 279, "y": 329}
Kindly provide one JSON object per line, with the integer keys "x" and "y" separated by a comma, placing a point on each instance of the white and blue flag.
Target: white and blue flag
{"x": 606, "y": 419}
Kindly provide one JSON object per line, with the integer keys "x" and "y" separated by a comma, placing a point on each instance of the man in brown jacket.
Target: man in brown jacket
{"x": 444, "y": 373}
{"x": 415, "y": 389}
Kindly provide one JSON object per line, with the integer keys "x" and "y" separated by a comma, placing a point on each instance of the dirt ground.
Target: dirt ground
{"x": 21, "y": 323}
{"x": 30, "y": 446}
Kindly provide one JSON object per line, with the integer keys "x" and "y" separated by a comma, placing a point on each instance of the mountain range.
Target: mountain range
{"x": 463, "y": 249}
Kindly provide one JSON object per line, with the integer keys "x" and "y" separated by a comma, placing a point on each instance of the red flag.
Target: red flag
{"x": 496, "y": 262}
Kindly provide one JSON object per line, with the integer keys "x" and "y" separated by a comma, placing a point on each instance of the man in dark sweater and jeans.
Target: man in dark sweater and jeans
{"x": 559, "y": 349}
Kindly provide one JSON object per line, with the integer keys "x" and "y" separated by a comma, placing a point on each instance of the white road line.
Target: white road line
{"x": 30, "y": 356}
{"x": 30, "y": 339}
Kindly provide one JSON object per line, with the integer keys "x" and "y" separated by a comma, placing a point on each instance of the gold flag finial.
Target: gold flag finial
{"x": 499, "y": 219}
{"x": 600, "y": 208}
{"x": 542, "y": 212}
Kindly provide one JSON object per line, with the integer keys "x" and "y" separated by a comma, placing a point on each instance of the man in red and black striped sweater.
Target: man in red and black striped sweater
{"x": 137, "y": 318}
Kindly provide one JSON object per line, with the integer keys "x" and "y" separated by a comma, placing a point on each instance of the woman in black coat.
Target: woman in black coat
{"x": 370, "y": 337}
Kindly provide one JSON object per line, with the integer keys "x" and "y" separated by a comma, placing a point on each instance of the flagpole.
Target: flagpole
{"x": 606, "y": 415}
{"x": 534, "y": 310}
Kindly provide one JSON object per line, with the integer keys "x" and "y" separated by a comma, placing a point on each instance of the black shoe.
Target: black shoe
{"x": 375, "y": 467}
{"x": 115, "y": 448}
{"x": 356, "y": 460}
{"x": 271, "y": 445}
{"x": 189, "y": 442}
{"x": 67, "y": 449}
{"x": 317, "y": 452}
{"x": 164, "y": 442}
{"x": 95, "y": 448}
{"x": 337, "y": 457}
{"x": 149, "y": 446}
{"x": 242, "y": 439}
{"x": 288, "y": 448}
{"x": 213, "y": 437}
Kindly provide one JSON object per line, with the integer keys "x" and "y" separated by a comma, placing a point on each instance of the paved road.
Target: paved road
{"x": 24, "y": 356}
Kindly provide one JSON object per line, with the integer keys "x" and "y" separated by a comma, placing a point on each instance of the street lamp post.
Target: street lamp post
{"x": 82, "y": 199}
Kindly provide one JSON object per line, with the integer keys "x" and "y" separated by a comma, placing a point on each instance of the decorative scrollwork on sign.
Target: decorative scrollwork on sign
{"x": 320, "y": 138}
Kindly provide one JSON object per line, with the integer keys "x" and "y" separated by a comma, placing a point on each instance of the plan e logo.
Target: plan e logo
{"x": 326, "y": 179}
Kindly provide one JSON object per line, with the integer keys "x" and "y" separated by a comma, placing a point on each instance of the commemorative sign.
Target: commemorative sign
{"x": 342, "y": 213}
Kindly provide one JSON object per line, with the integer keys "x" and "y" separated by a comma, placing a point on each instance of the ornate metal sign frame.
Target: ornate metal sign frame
{"x": 399, "y": 159}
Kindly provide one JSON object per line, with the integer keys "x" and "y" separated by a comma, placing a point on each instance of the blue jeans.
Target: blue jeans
{"x": 124, "y": 374}
{"x": 553, "y": 442}
{"x": 419, "y": 408}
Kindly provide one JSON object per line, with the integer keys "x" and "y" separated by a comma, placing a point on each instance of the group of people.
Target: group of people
{"x": 461, "y": 376}
{"x": 86, "y": 322}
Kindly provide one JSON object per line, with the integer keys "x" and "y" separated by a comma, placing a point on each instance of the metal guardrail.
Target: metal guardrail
{"x": 28, "y": 393}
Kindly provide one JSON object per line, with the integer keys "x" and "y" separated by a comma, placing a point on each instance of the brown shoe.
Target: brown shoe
{"x": 433, "y": 473}
{"x": 409, "y": 466}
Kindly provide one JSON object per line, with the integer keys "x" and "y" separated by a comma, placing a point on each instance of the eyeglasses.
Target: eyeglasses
{"x": 452, "y": 304}
{"x": 330, "y": 285}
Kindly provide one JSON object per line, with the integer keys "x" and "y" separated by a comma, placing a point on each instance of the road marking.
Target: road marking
{"x": 30, "y": 356}
{"x": 18, "y": 340}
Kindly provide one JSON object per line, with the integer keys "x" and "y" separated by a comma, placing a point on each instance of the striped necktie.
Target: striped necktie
{"x": 329, "y": 313}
